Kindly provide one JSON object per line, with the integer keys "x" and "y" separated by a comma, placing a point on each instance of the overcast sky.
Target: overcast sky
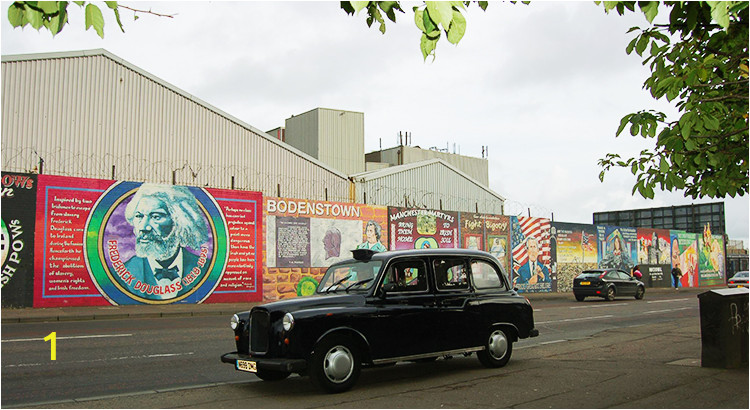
{"x": 542, "y": 85}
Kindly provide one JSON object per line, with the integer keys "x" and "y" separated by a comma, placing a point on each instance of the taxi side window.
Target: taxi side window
{"x": 485, "y": 276}
{"x": 406, "y": 276}
{"x": 450, "y": 274}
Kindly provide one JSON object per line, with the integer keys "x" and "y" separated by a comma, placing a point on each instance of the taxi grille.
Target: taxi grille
{"x": 259, "y": 330}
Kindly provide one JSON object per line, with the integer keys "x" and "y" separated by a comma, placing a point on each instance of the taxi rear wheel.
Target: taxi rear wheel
{"x": 334, "y": 364}
{"x": 497, "y": 349}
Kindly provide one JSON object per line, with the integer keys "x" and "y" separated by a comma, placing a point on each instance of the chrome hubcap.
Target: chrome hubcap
{"x": 498, "y": 344}
{"x": 338, "y": 364}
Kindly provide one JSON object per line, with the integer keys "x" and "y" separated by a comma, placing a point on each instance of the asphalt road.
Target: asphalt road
{"x": 589, "y": 354}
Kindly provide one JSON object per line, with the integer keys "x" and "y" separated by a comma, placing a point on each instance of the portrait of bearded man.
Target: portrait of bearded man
{"x": 166, "y": 221}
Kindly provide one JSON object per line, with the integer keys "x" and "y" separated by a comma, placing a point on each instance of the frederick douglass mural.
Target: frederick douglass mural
{"x": 157, "y": 243}
{"x": 166, "y": 221}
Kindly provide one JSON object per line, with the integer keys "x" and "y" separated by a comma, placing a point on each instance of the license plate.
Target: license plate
{"x": 247, "y": 366}
{"x": 585, "y": 283}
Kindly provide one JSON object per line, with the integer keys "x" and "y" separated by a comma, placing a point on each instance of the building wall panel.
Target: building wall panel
{"x": 342, "y": 139}
{"x": 85, "y": 114}
{"x": 432, "y": 186}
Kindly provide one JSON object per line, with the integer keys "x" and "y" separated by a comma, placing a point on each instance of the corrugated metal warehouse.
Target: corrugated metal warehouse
{"x": 91, "y": 114}
{"x": 431, "y": 184}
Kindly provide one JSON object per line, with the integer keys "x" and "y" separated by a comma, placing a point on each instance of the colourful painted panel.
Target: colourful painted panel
{"x": 531, "y": 254}
{"x": 412, "y": 228}
{"x": 18, "y": 220}
{"x": 304, "y": 237}
{"x": 573, "y": 248}
{"x": 105, "y": 242}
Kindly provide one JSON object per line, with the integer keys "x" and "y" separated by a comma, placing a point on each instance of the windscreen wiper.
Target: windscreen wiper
{"x": 361, "y": 282}
{"x": 340, "y": 281}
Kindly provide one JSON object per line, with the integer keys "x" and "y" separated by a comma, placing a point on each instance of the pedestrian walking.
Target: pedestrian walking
{"x": 676, "y": 275}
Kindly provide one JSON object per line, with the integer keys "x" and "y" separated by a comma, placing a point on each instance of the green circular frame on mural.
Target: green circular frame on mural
{"x": 426, "y": 242}
{"x": 107, "y": 279}
{"x": 307, "y": 286}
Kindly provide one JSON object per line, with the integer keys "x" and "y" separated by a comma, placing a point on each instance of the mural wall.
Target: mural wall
{"x": 654, "y": 257}
{"x": 423, "y": 229}
{"x": 78, "y": 242}
{"x": 685, "y": 256}
{"x": 711, "y": 258}
{"x": 617, "y": 247}
{"x": 574, "y": 249}
{"x": 304, "y": 237}
{"x": 18, "y": 220}
{"x": 101, "y": 242}
{"x": 531, "y": 254}
{"x": 488, "y": 233}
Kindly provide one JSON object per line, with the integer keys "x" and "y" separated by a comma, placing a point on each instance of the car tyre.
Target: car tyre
{"x": 271, "y": 375}
{"x": 334, "y": 364}
{"x": 639, "y": 292}
{"x": 580, "y": 298}
{"x": 610, "y": 294}
{"x": 498, "y": 348}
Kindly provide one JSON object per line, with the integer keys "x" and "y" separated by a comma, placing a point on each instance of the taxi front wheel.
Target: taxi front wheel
{"x": 334, "y": 364}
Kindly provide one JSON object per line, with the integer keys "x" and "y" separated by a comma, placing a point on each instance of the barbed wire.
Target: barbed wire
{"x": 60, "y": 161}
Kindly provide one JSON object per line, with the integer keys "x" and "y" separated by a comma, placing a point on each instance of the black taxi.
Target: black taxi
{"x": 382, "y": 308}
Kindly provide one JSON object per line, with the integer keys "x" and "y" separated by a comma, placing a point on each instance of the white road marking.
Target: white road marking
{"x": 598, "y": 306}
{"x": 666, "y": 310}
{"x": 41, "y": 339}
{"x": 668, "y": 300}
{"x": 148, "y": 356}
{"x": 575, "y": 319}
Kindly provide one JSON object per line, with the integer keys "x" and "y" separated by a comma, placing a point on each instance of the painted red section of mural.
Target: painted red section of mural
{"x": 412, "y": 228}
{"x": 242, "y": 280}
{"x": 60, "y": 275}
{"x": 87, "y": 245}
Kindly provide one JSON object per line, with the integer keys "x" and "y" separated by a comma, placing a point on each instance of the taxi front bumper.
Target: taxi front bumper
{"x": 262, "y": 363}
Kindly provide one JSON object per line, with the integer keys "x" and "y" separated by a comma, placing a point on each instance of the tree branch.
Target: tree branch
{"x": 145, "y": 11}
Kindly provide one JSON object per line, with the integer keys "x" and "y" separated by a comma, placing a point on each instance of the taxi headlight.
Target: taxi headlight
{"x": 288, "y": 322}
{"x": 234, "y": 322}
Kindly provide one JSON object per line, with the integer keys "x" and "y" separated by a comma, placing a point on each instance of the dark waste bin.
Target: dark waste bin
{"x": 724, "y": 327}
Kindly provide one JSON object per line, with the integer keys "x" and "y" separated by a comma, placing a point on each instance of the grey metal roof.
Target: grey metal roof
{"x": 380, "y": 173}
{"x": 107, "y": 54}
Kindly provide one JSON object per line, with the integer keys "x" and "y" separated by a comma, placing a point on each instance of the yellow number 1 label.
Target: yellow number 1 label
{"x": 53, "y": 345}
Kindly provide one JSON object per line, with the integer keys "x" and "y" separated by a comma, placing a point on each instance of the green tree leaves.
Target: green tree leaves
{"x": 699, "y": 62}
{"x": 95, "y": 19}
{"x": 50, "y": 14}
{"x": 432, "y": 18}
{"x": 53, "y": 15}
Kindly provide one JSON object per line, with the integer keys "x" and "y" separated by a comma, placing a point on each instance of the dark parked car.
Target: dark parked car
{"x": 739, "y": 280}
{"x": 381, "y": 308}
{"x": 608, "y": 284}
